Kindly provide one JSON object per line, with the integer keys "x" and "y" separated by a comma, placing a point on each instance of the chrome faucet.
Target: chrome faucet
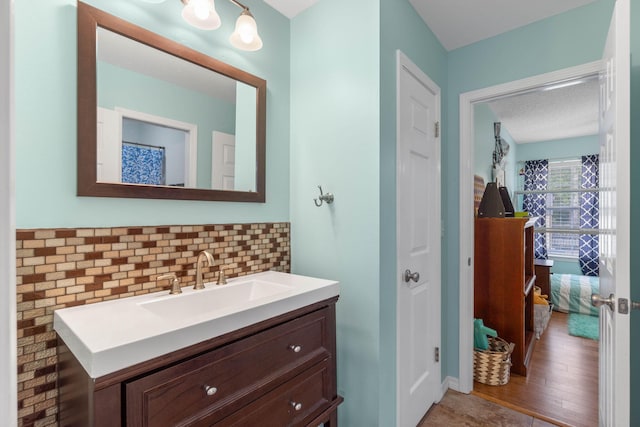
{"x": 209, "y": 258}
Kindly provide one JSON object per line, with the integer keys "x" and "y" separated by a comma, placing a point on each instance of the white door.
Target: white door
{"x": 109, "y": 146}
{"x": 223, "y": 162}
{"x": 614, "y": 221}
{"x": 418, "y": 230}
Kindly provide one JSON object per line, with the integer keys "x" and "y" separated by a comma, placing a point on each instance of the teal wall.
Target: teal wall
{"x": 45, "y": 92}
{"x": 483, "y": 141}
{"x": 335, "y": 143}
{"x": 569, "y": 39}
{"x": 559, "y": 149}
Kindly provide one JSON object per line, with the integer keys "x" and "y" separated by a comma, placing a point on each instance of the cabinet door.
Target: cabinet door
{"x": 218, "y": 383}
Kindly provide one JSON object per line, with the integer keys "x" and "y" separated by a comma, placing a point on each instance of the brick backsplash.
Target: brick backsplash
{"x": 58, "y": 268}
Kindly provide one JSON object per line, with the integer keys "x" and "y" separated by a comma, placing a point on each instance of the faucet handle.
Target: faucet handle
{"x": 175, "y": 283}
{"x": 222, "y": 279}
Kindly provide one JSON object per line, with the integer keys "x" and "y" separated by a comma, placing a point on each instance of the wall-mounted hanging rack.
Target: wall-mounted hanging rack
{"x": 328, "y": 197}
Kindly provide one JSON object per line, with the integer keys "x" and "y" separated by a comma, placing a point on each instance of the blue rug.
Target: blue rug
{"x": 582, "y": 325}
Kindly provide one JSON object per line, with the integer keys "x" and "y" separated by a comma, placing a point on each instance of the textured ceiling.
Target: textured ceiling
{"x": 545, "y": 115}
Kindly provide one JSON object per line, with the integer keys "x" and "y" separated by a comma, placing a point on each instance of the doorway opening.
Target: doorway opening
{"x": 468, "y": 103}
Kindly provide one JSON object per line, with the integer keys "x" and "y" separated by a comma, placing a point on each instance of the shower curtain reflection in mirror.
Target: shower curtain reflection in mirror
{"x": 143, "y": 164}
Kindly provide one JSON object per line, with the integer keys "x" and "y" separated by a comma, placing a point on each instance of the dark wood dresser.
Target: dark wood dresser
{"x": 543, "y": 275}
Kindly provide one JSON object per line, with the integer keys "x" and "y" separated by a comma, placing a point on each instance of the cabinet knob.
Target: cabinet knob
{"x": 296, "y": 405}
{"x": 295, "y": 348}
{"x": 210, "y": 390}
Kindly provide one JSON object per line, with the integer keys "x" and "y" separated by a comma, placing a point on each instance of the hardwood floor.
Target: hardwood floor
{"x": 562, "y": 384}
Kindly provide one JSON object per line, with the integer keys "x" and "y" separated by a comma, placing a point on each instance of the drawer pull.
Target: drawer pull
{"x": 210, "y": 390}
{"x": 295, "y": 348}
{"x": 296, "y": 405}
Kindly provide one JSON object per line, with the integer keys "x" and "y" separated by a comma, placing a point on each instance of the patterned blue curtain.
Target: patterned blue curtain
{"x": 142, "y": 164}
{"x": 589, "y": 217}
{"x": 536, "y": 174}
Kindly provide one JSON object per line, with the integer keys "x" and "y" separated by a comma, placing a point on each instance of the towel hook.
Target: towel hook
{"x": 323, "y": 198}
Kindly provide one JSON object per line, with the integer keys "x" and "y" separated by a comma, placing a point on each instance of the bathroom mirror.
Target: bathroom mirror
{"x": 159, "y": 120}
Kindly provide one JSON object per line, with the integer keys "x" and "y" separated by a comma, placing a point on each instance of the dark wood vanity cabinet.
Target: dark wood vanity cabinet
{"x": 281, "y": 372}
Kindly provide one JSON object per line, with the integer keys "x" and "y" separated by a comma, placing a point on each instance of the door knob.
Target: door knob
{"x": 597, "y": 301}
{"x": 408, "y": 275}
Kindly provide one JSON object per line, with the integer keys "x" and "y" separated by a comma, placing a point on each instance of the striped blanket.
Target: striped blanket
{"x": 571, "y": 293}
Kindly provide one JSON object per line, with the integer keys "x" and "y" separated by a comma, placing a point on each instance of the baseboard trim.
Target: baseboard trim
{"x": 449, "y": 383}
{"x": 452, "y": 383}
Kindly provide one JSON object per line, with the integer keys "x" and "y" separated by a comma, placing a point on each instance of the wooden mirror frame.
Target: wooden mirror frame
{"x": 89, "y": 19}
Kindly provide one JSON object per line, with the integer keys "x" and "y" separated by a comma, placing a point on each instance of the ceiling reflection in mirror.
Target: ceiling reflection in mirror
{"x": 167, "y": 122}
{"x": 148, "y": 100}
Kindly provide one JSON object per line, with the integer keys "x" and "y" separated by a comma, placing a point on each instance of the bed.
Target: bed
{"x": 571, "y": 293}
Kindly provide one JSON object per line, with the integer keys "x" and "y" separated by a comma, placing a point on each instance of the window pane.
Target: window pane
{"x": 563, "y": 209}
{"x": 563, "y": 244}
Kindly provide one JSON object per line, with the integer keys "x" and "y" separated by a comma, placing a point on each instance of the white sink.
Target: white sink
{"x": 112, "y": 335}
{"x": 213, "y": 298}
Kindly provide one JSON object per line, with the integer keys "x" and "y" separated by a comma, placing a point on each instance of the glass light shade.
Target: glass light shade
{"x": 246, "y": 36}
{"x": 201, "y": 14}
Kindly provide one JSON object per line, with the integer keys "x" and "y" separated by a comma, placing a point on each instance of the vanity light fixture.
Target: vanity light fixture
{"x": 202, "y": 14}
{"x": 246, "y": 36}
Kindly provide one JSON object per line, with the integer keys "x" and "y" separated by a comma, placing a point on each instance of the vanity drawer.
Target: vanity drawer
{"x": 233, "y": 375}
{"x": 294, "y": 403}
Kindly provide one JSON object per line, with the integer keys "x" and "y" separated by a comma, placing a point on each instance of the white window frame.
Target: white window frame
{"x": 551, "y": 253}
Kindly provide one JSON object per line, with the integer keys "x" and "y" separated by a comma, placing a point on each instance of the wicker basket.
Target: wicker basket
{"x": 492, "y": 366}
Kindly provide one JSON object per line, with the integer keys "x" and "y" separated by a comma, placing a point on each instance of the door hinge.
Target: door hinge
{"x": 437, "y": 129}
{"x": 437, "y": 354}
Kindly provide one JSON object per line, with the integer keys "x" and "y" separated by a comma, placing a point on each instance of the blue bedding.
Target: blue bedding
{"x": 571, "y": 293}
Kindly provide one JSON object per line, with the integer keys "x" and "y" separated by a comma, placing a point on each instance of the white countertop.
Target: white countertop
{"x": 108, "y": 336}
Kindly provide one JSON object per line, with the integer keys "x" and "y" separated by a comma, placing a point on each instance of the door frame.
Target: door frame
{"x": 404, "y": 62}
{"x": 466, "y": 260}
{"x": 8, "y": 331}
